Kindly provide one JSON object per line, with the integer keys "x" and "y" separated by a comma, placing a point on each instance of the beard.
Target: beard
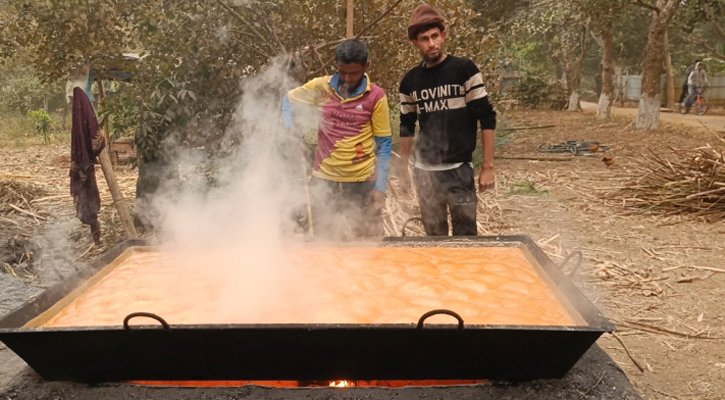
{"x": 345, "y": 90}
{"x": 432, "y": 60}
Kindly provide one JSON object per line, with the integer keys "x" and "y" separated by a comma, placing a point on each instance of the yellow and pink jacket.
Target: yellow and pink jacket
{"x": 354, "y": 140}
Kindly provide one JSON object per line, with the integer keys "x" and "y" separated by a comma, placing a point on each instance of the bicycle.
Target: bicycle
{"x": 700, "y": 103}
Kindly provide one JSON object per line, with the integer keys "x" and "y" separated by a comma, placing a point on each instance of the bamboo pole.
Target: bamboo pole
{"x": 116, "y": 195}
{"x": 101, "y": 96}
{"x": 350, "y": 18}
{"x": 107, "y": 167}
{"x": 307, "y": 197}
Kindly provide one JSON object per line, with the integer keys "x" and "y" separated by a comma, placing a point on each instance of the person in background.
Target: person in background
{"x": 446, "y": 95}
{"x": 688, "y": 71}
{"x": 696, "y": 80}
{"x": 352, "y": 159}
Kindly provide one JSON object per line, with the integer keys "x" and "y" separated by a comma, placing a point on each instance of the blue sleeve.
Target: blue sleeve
{"x": 288, "y": 112}
{"x": 383, "y": 148}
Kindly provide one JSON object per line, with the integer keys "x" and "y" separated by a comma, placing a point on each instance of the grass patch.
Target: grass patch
{"x": 18, "y": 130}
{"x": 526, "y": 188}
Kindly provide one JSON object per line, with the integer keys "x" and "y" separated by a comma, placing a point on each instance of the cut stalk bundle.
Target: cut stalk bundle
{"x": 691, "y": 181}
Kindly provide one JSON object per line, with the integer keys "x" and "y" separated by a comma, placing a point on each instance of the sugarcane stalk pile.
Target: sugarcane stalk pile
{"x": 688, "y": 181}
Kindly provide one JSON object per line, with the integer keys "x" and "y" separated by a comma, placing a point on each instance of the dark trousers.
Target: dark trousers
{"x": 440, "y": 191}
{"x": 684, "y": 93}
{"x": 341, "y": 210}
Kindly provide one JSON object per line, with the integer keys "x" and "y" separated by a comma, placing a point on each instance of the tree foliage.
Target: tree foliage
{"x": 195, "y": 52}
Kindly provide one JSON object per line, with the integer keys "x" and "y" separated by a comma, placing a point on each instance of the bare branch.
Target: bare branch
{"x": 718, "y": 29}
{"x": 713, "y": 51}
{"x": 319, "y": 57}
{"x": 644, "y": 4}
{"x": 261, "y": 53}
{"x": 362, "y": 32}
{"x": 244, "y": 21}
{"x": 265, "y": 21}
{"x": 376, "y": 20}
{"x": 321, "y": 46}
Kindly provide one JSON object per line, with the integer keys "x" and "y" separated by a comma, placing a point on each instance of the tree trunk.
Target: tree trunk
{"x": 619, "y": 88}
{"x": 558, "y": 69}
{"x": 573, "y": 80}
{"x": 555, "y": 57}
{"x": 574, "y": 53}
{"x": 648, "y": 116}
{"x": 607, "y": 96}
{"x": 670, "y": 75}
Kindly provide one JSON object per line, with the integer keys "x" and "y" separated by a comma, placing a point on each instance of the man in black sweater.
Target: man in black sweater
{"x": 446, "y": 96}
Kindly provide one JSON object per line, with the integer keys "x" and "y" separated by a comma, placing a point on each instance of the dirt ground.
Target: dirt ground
{"x": 714, "y": 120}
{"x": 655, "y": 277}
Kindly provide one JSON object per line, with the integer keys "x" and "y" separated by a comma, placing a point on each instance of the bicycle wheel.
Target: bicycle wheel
{"x": 701, "y": 106}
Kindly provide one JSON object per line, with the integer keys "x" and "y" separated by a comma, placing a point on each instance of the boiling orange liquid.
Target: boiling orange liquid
{"x": 487, "y": 286}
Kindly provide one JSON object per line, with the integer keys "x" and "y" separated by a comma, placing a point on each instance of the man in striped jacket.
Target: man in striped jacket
{"x": 446, "y": 95}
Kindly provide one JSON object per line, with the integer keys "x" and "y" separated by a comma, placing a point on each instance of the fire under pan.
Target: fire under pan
{"x": 458, "y": 344}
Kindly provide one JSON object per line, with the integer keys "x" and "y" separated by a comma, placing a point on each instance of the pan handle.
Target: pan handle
{"x": 405, "y": 224}
{"x": 129, "y": 317}
{"x": 576, "y": 266}
{"x": 436, "y": 312}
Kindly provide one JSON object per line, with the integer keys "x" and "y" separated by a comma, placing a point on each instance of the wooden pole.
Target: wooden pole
{"x": 307, "y": 196}
{"x": 101, "y": 96}
{"x": 116, "y": 194}
{"x": 107, "y": 167}
{"x": 350, "y": 18}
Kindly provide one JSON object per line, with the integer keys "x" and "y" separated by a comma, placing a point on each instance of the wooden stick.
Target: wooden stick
{"x": 703, "y": 268}
{"x": 48, "y": 198}
{"x": 350, "y": 18}
{"x": 626, "y": 350}
{"x": 527, "y": 128}
{"x": 307, "y": 197}
{"x": 20, "y": 210}
{"x": 534, "y": 158}
{"x": 551, "y": 239}
{"x": 711, "y": 131}
{"x": 663, "y": 331}
{"x": 116, "y": 195}
{"x": 8, "y": 220}
{"x": 101, "y": 96}
{"x": 595, "y": 385}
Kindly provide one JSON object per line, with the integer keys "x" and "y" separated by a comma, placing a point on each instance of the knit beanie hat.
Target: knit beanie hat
{"x": 424, "y": 15}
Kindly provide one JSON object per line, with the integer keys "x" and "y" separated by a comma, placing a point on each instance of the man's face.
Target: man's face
{"x": 359, "y": 148}
{"x": 350, "y": 76}
{"x": 699, "y": 67}
{"x": 430, "y": 44}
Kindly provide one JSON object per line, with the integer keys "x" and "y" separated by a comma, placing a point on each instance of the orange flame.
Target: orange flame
{"x": 342, "y": 384}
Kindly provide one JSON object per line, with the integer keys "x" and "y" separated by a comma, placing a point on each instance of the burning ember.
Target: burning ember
{"x": 309, "y": 384}
{"x": 342, "y": 384}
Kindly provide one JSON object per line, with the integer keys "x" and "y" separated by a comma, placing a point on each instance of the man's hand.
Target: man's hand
{"x": 376, "y": 202}
{"x": 486, "y": 180}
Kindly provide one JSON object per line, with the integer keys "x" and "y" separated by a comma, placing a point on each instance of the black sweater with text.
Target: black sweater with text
{"x": 447, "y": 101}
